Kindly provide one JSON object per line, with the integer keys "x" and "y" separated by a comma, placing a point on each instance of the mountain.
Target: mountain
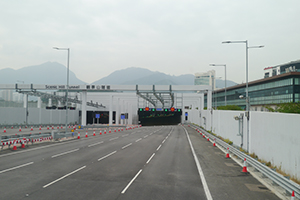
{"x": 141, "y": 76}
{"x": 46, "y": 73}
{"x": 221, "y": 83}
{"x": 55, "y": 73}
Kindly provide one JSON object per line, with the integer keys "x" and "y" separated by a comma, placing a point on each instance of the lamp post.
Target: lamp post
{"x": 225, "y": 78}
{"x": 247, "y": 97}
{"x": 67, "y": 49}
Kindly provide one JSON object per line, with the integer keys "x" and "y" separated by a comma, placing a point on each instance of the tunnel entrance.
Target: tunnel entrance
{"x": 159, "y": 117}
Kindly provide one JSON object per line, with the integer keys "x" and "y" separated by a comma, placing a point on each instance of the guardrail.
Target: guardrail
{"x": 24, "y": 140}
{"x": 10, "y": 140}
{"x": 277, "y": 178}
{"x": 9, "y": 126}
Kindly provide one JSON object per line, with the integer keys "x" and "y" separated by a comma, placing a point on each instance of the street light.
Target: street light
{"x": 247, "y": 97}
{"x": 67, "y": 49}
{"x": 225, "y": 78}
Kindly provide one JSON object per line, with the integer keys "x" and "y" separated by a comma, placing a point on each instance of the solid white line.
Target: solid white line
{"x": 63, "y": 177}
{"x": 113, "y": 138}
{"x": 107, "y": 155}
{"x": 205, "y": 186}
{"x": 150, "y": 158}
{"x": 131, "y": 181}
{"x": 126, "y": 146}
{"x": 158, "y": 147}
{"x": 64, "y": 153}
{"x": 138, "y": 140}
{"x": 95, "y": 144}
{"x": 6, "y": 170}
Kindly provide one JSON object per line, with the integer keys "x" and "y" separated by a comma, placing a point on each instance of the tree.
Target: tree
{"x": 289, "y": 107}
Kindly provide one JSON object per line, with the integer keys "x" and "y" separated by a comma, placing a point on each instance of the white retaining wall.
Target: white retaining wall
{"x": 273, "y": 137}
{"x": 37, "y": 116}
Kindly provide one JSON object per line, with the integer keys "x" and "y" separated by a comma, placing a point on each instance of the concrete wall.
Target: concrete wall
{"x": 273, "y": 137}
{"x": 37, "y": 116}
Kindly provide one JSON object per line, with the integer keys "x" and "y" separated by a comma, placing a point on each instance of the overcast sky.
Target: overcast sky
{"x": 170, "y": 36}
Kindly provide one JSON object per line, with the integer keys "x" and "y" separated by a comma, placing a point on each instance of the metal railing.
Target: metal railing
{"x": 277, "y": 178}
{"x": 25, "y": 138}
{"x": 55, "y": 135}
{"x": 16, "y": 126}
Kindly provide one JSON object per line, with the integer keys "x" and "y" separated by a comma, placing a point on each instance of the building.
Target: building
{"x": 268, "y": 91}
{"x": 206, "y": 78}
{"x": 293, "y": 66}
{"x": 7, "y": 95}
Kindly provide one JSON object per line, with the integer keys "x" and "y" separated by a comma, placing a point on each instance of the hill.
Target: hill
{"x": 46, "y": 73}
{"x": 55, "y": 73}
{"x": 141, "y": 76}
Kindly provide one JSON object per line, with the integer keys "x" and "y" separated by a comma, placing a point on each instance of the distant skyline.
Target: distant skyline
{"x": 171, "y": 36}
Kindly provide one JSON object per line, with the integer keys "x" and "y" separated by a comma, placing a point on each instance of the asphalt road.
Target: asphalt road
{"x": 143, "y": 163}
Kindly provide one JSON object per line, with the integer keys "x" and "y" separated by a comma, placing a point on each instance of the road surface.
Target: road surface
{"x": 161, "y": 162}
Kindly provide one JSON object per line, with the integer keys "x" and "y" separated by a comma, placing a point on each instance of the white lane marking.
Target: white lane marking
{"x": 95, "y": 144}
{"x": 145, "y": 136}
{"x": 124, "y": 135}
{"x": 138, "y": 140}
{"x": 163, "y": 141}
{"x": 205, "y": 186}
{"x": 158, "y": 147}
{"x": 113, "y": 138}
{"x": 107, "y": 155}
{"x": 150, "y": 133}
{"x": 131, "y": 181}
{"x": 64, "y": 153}
{"x": 6, "y": 170}
{"x": 64, "y": 177}
{"x": 126, "y": 146}
{"x": 150, "y": 158}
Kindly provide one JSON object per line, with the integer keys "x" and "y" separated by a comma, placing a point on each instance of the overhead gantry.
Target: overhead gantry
{"x": 158, "y": 98}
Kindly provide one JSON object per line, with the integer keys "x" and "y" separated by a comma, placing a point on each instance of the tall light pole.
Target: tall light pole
{"x": 225, "y": 78}
{"x": 67, "y": 91}
{"x": 247, "y": 97}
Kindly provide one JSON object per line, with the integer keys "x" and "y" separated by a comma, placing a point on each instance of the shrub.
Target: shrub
{"x": 229, "y": 107}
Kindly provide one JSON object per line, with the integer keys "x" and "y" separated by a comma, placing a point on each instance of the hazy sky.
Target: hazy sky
{"x": 170, "y": 36}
